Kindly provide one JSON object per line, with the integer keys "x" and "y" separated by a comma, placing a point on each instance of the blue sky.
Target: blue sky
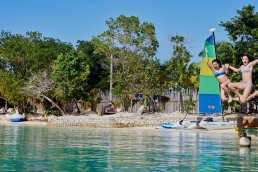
{"x": 72, "y": 20}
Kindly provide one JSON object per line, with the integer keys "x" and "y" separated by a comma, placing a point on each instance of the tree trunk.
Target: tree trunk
{"x": 78, "y": 109}
{"x": 181, "y": 100}
{"x": 131, "y": 105}
{"x": 5, "y": 102}
{"x": 111, "y": 78}
{"x": 54, "y": 104}
{"x": 153, "y": 104}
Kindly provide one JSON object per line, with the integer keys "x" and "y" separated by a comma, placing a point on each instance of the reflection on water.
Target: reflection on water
{"x": 27, "y": 148}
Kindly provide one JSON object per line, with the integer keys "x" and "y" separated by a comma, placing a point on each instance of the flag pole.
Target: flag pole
{"x": 213, "y": 34}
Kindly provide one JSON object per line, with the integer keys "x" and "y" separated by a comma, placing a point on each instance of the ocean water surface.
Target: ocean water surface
{"x": 42, "y": 148}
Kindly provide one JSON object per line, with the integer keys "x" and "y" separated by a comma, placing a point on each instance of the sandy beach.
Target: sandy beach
{"x": 40, "y": 120}
{"x": 36, "y": 123}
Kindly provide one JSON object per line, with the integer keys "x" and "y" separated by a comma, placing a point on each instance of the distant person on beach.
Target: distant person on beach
{"x": 112, "y": 107}
{"x": 246, "y": 84}
{"x": 220, "y": 72}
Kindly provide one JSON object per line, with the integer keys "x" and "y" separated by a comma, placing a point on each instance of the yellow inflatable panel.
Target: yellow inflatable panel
{"x": 205, "y": 70}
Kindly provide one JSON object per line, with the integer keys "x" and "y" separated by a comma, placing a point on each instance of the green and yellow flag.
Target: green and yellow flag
{"x": 209, "y": 91}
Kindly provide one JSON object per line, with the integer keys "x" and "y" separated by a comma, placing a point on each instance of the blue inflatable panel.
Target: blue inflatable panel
{"x": 210, "y": 103}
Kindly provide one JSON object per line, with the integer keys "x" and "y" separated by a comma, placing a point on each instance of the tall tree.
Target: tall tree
{"x": 42, "y": 85}
{"x": 71, "y": 72}
{"x": 182, "y": 74}
{"x": 128, "y": 43}
{"x": 98, "y": 77}
{"x": 23, "y": 55}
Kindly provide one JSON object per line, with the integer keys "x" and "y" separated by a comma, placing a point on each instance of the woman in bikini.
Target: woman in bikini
{"x": 246, "y": 84}
{"x": 220, "y": 72}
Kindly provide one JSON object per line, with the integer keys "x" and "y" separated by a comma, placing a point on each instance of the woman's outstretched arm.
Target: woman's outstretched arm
{"x": 226, "y": 67}
{"x": 253, "y": 63}
{"x": 234, "y": 69}
{"x": 207, "y": 60}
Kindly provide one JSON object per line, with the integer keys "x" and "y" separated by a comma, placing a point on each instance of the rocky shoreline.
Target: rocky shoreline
{"x": 129, "y": 121}
{"x": 122, "y": 120}
{"x": 113, "y": 122}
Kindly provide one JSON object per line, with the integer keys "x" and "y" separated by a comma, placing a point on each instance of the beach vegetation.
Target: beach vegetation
{"x": 181, "y": 72}
{"x": 122, "y": 60}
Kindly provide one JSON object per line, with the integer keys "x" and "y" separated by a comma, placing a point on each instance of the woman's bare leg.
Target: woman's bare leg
{"x": 246, "y": 94}
{"x": 222, "y": 95}
{"x": 252, "y": 96}
{"x": 237, "y": 99}
{"x": 234, "y": 86}
{"x": 224, "y": 86}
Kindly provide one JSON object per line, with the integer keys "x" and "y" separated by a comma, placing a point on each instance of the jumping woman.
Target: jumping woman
{"x": 220, "y": 72}
{"x": 246, "y": 84}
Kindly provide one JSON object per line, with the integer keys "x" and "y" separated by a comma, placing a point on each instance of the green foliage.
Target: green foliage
{"x": 189, "y": 104}
{"x": 130, "y": 47}
{"x": 29, "y": 53}
{"x": 235, "y": 106}
{"x": 28, "y": 107}
{"x": 93, "y": 100}
{"x": 98, "y": 77}
{"x": 22, "y": 55}
{"x": 10, "y": 87}
{"x": 117, "y": 103}
{"x": 140, "y": 76}
{"x": 71, "y": 71}
{"x": 52, "y": 111}
{"x": 181, "y": 74}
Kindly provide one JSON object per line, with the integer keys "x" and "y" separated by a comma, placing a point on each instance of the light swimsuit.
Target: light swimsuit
{"x": 216, "y": 74}
{"x": 246, "y": 84}
{"x": 245, "y": 70}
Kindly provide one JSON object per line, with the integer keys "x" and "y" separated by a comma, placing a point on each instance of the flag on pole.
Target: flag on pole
{"x": 209, "y": 90}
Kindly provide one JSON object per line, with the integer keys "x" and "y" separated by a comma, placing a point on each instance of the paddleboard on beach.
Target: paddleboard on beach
{"x": 140, "y": 110}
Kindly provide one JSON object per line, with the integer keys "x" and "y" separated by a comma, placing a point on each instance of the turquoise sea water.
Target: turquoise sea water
{"x": 42, "y": 148}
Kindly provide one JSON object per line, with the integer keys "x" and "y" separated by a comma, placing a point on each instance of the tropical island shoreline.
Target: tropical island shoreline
{"x": 119, "y": 120}
{"x": 131, "y": 121}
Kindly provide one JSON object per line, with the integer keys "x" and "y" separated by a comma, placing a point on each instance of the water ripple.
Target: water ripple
{"x": 27, "y": 148}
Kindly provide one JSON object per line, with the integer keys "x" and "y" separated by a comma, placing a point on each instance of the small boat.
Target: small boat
{"x": 182, "y": 124}
{"x": 166, "y": 125}
{"x": 179, "y": 125}
{"x": 195, "y": 125}
{"x": 17, "y": 117}
{"x": 210, "y": 124}
{"x": 188, "y": 123}
{"x": 218, "y": 125}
